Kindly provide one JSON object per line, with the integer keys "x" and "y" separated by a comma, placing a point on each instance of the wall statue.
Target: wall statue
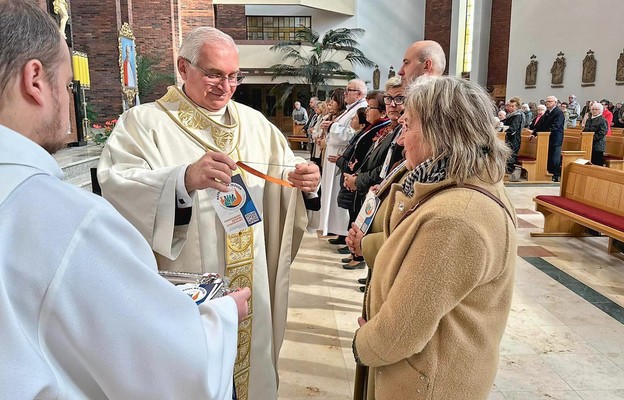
{"x": 530, "y": 77}
{"x": 376, "y": 76}
{"x": 557, "y": 69}
{"x": 61, "y": 9}
{"x": 391, "y": 72}
{"x": 589, "y": 68}
{"x": 619, "y": 72}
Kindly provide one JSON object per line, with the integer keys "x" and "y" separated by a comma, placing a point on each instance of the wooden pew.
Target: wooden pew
{"x": 297, "y": 142}
{"x": 617, "y": 131}
{"x": 590, "y": 197}
{"x": 614, "y": 152}
{"x": 533, "y": 155}
{"x": 578, "y": 141}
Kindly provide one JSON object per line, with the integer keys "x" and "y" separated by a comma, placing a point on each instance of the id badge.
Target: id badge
{"x": 235, "y": 208}
{"x": 386, "y": 164}
{"x": 367, "y": 212}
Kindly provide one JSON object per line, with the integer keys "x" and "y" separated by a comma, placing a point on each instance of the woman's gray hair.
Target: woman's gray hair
{"x": 456, "y": 118}
{"x": 393, "y": 82}
{"x": 541, "y": 107}
{"x": 601, "y": 106}
{"x": 199, "y": 37}
{"x": 28, "y": 33}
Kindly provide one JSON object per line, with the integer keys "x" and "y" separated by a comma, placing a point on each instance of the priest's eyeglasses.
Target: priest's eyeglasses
{"x": 398, "y": 100}
{"x": 215, "y": 78}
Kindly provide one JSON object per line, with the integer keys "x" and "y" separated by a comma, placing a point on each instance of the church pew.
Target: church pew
{"x": 582, "y": 141}
{"x": 590, "y": 197}
{"x": 614, "y": 152}
{"x": 617, "y": 131}
{"x": 533, "y": 155}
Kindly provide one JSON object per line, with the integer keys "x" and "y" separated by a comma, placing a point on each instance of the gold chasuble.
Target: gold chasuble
{"x": 138, "y": 173}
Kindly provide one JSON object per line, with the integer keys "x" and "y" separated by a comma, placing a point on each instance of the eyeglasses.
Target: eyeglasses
{"x": 352, "y": 90}
{"x": 214, "y": 78}
{"x": 398, "y": 100}
{"x": 371, "y": 108}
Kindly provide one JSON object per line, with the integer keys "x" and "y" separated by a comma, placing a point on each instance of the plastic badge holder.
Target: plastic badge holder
{"x": 200, "y": 287}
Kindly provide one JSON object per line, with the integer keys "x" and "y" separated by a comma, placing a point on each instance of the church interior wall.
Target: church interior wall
{"x": 545, "y": 28}
{"x": 389, "y": 29}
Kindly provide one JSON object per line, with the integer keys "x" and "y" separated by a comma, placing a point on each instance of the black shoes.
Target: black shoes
{"x": 355, "y": 265}
{"x": 362, "y": 289}
{"x": 347, "y": 260}
{"x": 343, "y": 250}
{"x": 556, "y": 179}
{"x": 362, "y": 281}
{"x": 338, "y": 240}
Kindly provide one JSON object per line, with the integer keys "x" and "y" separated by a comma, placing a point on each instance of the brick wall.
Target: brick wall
{"x": 438, "y": 24}
{"x": 231, "y": 20}
{"x": 154, "y": 32}
{"x": 96, "y": 27}
{"x": 499, "y": 43}
{"x": 195, "y": 13}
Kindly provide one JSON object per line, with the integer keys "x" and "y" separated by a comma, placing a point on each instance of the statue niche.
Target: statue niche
{"x": 530, "y": 76}
{"x": 391, "y": 72}
{"x": 557, "y": 70}
{"x": 589, "y": 69}
{"x": 376, "y": 77}
{"x": 619, "y": 72}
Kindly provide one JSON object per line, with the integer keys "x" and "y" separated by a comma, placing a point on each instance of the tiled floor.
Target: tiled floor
{"x": 558, "y": 345}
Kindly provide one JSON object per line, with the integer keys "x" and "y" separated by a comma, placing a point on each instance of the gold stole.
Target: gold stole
{"x": 239, "y": 249}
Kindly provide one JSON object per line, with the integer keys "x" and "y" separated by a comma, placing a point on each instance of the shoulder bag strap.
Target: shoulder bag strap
{"x": 429, "y": 195}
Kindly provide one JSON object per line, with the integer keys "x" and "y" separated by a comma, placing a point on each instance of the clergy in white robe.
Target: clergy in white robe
{"x": 84, "y": 314}
{"x": 334, "y": 219}
{"x": 140, "y": 170}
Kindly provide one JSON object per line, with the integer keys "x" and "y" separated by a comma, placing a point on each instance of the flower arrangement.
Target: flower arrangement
{"x": 103, "y": 132}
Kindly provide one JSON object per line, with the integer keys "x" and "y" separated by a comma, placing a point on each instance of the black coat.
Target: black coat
{"x": 552, "y": 121}
{"x": 598, "y": 125}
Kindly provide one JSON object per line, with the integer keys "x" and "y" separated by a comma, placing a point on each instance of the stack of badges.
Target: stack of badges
{"x": 199, "y": 287}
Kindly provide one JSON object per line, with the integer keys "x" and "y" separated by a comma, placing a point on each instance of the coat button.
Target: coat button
{"x": 417, "y": 390}
{"x": 401, "y": 206}
{"x": 422, "y": 378}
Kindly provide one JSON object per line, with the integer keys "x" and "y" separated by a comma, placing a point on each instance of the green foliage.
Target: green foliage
{"x": 313, "y": 60}
{"x": 148, "y": 78}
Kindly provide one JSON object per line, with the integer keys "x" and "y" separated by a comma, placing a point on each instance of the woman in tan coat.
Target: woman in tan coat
{"x": 439, "y": 299}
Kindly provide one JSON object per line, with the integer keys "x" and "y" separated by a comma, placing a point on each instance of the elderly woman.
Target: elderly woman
{"x": 598, "y": 124}
{"x": 438, "y": 308}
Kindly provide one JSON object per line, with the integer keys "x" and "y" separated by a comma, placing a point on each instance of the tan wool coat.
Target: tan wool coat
{"x": 440, "y": 296}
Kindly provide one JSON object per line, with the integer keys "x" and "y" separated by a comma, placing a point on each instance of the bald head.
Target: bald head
{"x": 424, "y": 57}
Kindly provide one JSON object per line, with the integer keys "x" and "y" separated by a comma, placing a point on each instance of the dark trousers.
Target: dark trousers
{"x": 597, "y": 157}
{"x": 514, "y": 144}
{"x": 554, "y": 160}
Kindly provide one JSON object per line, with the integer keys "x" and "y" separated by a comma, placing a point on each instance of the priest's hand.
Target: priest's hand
{"x": 240, "y": 297}
{"x": 213, "y": 170}
{"x": 305, "y": 177}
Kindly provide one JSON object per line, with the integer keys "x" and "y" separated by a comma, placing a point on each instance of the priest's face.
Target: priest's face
{"x": 210, "y": 83}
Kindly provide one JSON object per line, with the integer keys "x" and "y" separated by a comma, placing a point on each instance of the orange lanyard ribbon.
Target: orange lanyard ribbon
{"x": 263, "y": 176}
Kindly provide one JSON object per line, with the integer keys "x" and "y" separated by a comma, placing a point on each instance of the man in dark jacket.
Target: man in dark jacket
{"x": 552, "y": 122}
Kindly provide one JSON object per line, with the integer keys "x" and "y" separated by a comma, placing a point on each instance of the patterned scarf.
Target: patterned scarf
{"x": 427, "y": 172}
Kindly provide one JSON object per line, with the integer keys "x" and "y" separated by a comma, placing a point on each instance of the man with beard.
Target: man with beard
{"x": 84, "y": 313}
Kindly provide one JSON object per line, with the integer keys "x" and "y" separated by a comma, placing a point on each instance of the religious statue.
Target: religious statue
{"x": 619, "y": 72}
{"x": 557, "y": 69}
{"x": 530, "y": 77}
{"x": 589, "y": 68}
{"x": 391, "y": 72}
{"x": 61, "y": 9}
{"x": 376, "y": 77}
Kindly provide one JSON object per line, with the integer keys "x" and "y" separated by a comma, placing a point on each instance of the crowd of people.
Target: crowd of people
{"x": 87, "y": 315}
{"x": 554, "y": 116}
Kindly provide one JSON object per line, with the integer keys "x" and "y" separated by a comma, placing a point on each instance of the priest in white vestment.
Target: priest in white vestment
{"x": 334, "y": 219}
{"x": 161, "y": 169}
